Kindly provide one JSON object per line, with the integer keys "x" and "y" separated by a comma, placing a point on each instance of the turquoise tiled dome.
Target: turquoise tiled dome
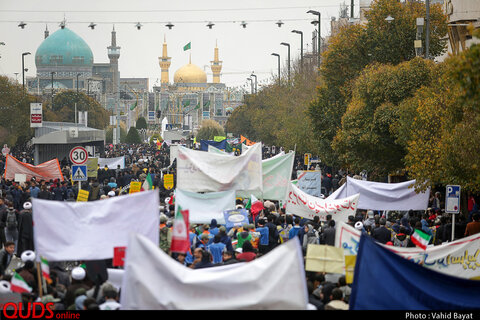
{"x": 64, "y": 48}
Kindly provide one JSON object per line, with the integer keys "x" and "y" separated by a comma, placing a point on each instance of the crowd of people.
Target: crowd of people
{"x": 211, "y": 244}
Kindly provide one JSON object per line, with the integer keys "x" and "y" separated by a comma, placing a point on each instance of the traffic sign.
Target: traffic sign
{"x": 79, "y": 173}
{"x": 78, "y": 155}
{"x": 306, "y": 159}
{"x": 452, "y": 199}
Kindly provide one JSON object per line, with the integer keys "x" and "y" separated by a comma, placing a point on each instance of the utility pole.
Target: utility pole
{"x": 427, "y": 27}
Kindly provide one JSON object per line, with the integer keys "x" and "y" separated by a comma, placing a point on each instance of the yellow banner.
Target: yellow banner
{"x": 92, "y": 167}
{"x": 83, "y": 195}
{"x": 349, "y": 268}
{"x": 168, "y": 182}
{"x": 323, "y": 258}
{"x": 135, "y": 186}
{"x": 219, "y": 138}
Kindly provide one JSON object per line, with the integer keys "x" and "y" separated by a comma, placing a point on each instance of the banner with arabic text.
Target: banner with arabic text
{"x": 459, "y": 258}
{"x": 304, "y": 205}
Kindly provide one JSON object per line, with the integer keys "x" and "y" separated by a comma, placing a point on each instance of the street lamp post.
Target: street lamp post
{"x": 23, "y": 68}
{"x": 251, "y": 84}
{"x": 319, "y": 33}
{"x": 288, "y": 62}
{"x": 278, "y": 57}
{"x": 301, "y": 47}
{"x": 254, "y": 75}
{"x": 53, "y": 72}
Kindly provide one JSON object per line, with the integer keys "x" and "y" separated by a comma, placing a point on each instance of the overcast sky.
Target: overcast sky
{"x": 242, "y": 50}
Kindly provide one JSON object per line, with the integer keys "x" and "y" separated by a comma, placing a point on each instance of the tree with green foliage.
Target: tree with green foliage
{"x": 133, "y": 136}
{"x": 355, "y": 47}
{"x": 63, "y": 109}
{"x": 209, "y": 129}
{"x": 141, "y": 123}
{"x": 365, "y": 140}
{"x": 443, "y": 143}
{"x": 109, "y": 134}
{"x": 15, "y": 110}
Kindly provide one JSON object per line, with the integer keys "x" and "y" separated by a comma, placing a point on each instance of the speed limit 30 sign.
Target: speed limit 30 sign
{"x": 78, "y": 155}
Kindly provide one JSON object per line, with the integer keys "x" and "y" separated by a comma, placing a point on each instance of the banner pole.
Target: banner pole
{"x": 39, "y": 277}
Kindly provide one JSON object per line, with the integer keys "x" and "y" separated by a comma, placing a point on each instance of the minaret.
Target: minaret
{"x": 114, "y": 55}
{"x": 216, "y": 66}
{"x": 164, "y": 61}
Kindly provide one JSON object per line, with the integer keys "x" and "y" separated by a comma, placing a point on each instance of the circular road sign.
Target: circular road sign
{"x": 78, "y": 155}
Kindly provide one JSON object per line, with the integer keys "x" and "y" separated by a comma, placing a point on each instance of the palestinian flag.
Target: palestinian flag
{"x": 180, "y": 232}
{"x": 18, "y": 284}
{"x": 148, "y": 183}
{"x": 45, "y": 269}
{"x": 420, "y": 239}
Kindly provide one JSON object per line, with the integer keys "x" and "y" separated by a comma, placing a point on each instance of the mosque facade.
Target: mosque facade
{"x": 191, "y": 97}
{"x": 64, "y": 61}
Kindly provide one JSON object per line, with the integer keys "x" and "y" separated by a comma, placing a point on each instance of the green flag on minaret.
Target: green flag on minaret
{"x": 188, "y": 46}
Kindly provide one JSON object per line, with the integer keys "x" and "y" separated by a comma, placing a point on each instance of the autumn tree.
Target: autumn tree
{"x": 15, "y": 110}
{"x": 63, "y": 109}
{"x": 209, "y": 129}
{"x": 443, "y": 145}
{"x": 355, "y": 47}
{"x": 365, "y": 140}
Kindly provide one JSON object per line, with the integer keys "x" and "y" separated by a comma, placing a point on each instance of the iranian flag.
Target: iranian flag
{"x": 254, "y": 205}
{"x": 180, "y": 236}
{"x": 421, "y": 239}
{"x": 45, "y": 269}
{"x": 18, "y": 284}
{"x": 148, "y": 183}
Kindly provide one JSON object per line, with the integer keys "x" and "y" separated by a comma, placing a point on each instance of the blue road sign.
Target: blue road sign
{"x": 452, "y": 199}
{"x": 79, "y": 173}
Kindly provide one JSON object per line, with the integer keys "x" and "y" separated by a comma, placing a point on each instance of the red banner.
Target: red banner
{"x": 49, "y": 170}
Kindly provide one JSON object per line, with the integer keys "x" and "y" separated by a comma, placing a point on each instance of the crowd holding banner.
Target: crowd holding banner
{"x": 232, "y": 227}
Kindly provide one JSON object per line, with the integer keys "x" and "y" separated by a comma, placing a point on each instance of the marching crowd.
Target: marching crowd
{"x": 211, "y": 244}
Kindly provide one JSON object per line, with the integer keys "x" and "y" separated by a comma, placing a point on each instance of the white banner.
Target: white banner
{"x": 310, "y": 182}
{"x": 383, "y": 196}
{"x": 273, "y": 281}
{"x": 112, "y": 163}
{"x": 276, "y": 176}
{"x": 200, "y": 171}
{"x": 347, "y": 238}
{"x": 203, "y": 207}
{"x": 304, "y": 205}
{"x": 90, "y": 230}
{"x": 460, "y": 258}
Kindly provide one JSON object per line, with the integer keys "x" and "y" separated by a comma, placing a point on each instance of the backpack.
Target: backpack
{"x": 11, "y": 220}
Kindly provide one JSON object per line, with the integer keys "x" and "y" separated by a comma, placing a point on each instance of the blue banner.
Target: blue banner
{"x": 384, "y": 280}
{"x": 222, "y": 145}
{"x": 235, "y": 218}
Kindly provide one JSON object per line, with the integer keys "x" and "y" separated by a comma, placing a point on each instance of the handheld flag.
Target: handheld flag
{"x": 134, "y": 105}
{"x": 148, "y": 183}
{"x": 254, "y": 205}
{"x": 420, "y": 239}
{"x": 18, "y": 284}
{"x": 180, "y": 237}
{"x": 45, "y": 269}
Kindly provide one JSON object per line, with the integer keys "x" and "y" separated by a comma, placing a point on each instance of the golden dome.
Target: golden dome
{"x": 190, "y": 73}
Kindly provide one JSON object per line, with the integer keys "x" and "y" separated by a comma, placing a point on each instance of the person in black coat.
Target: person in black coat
{"x": 382, "y": 234}
{"x": 25, "y": 229}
